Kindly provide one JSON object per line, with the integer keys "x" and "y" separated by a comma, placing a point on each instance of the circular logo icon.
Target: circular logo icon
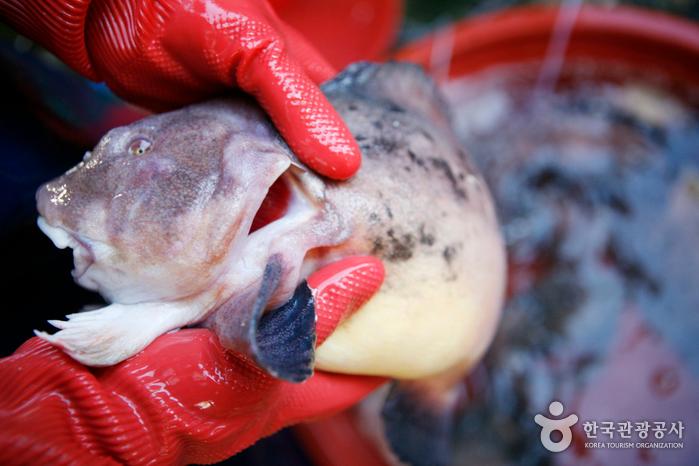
{"x": 548, "y": 426}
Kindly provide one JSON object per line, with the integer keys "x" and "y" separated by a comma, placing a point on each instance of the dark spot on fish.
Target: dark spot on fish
{"x": 448, "y": 253}
{"x": 467, "y": 161}
{"x": 377, "y": 247}
{"x": 400, "y": 246}
{"x": 401, "y": 249}
{"x": 443, "y": 166}
{"x": 377, "y": 124}
{"x": 360, "y": 137}
{"x": 352, "y": 107}
{"x": 415, "y": 159}
{"x": 389, "y": 212}
{"x": 373, "y": 217}
{"x": 424, "y": 237}
{"x": 386, "y": 145}
{"x": 427, "y": 134}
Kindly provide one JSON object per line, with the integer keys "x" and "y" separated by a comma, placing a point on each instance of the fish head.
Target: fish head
{"x": 154, "y": 210}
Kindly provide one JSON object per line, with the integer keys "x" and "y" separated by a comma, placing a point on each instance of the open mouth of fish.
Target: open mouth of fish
{"x": 281, "y": 195}
{"x": 83, "y": 255}
{"x": 285, "y": 205}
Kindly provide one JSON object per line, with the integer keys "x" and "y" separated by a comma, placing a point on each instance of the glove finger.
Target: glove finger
{"x": 300, "y": 111}
{"x": 341, "y": 288}
{"x": 300, "y": 49}
{"x": 305, "y": 54}
{"x": 322, "y": 395}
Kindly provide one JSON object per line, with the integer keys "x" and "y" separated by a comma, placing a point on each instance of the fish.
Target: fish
{"x": 203, "y": 216}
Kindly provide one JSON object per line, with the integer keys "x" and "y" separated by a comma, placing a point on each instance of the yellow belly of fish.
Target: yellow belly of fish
{"x": 422, "y": 323}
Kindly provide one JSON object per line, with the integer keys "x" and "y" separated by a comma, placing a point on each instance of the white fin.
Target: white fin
{"x": 109, "y": 335}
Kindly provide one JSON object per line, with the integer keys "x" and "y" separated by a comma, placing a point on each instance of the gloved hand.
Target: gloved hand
{"x": 166, "y": 53}
{"x": 184, "y": 399}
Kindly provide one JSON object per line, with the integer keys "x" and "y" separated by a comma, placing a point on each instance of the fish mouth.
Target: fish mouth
{"x": 287, "y": 201}
{"x": 83, "y": 256}
{"x": 274, "y": 205}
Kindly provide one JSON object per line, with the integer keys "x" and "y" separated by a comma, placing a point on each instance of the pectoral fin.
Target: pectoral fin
{"x": 281, "y": 341}
{"x": 418, "y": 420}
{"x": 109, "y": 335}
{"x": 286, "y": 337}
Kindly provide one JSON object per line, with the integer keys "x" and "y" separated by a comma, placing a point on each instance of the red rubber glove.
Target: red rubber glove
{"x": 184, "y": 399}
{"x": 166, "y": 53}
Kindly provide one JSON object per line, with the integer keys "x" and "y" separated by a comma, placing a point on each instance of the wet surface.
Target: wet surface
{"x": 597, "y": 188}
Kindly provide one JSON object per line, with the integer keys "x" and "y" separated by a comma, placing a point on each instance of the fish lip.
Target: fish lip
{"x": 83, "y": 254}
{"x": 83, "y": 257}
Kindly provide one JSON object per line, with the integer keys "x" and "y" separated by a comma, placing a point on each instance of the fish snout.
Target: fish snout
{"x": 52, "y": 200}
{"x": 56, "y": 221}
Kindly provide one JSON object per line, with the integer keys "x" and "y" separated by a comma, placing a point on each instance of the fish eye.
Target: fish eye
{"x": 140, "y": 146}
